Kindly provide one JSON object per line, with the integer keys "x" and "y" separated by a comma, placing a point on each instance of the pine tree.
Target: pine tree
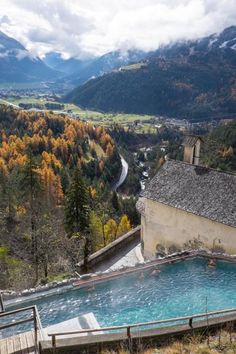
{"x": 77, "y": 205}
{"x": 115, "y": 202}
{"x": 77, "y": 214}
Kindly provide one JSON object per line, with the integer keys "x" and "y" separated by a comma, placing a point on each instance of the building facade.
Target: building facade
{"x": 187, "y": 206}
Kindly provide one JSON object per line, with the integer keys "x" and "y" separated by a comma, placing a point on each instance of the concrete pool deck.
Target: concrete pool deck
{"x": 128, "y": 257}
{"x": 85, "y": 321}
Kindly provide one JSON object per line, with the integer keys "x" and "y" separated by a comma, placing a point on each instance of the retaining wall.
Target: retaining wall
{"x": 109, "y": 251}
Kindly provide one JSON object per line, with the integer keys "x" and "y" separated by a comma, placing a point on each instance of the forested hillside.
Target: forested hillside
{"x": 59, "y": 142}
{"x": 193, "y": 80}
{"x": 56, "y": 204}
{"x": 219, "y": 148}
{"x": 179, "y": 89}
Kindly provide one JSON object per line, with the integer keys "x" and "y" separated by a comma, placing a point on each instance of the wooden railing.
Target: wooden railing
{"x": 2, "y": 308}
{"x": 128, "y": 328}
{"x": 34, "y": 318}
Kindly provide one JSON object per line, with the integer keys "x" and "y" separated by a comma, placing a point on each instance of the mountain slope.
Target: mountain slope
{"x": 219, "y": 148}
{"x": 18, "y": 65}
{"x": 104, "y": 64}
{"x": 192, "y": 79}
{"x": 205, "y": 47}
{"x": 66, "y": 66}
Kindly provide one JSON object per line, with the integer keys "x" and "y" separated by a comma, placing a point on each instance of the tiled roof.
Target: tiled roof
{"x": 199, "y": 190}
{"x": 190, "y": 140}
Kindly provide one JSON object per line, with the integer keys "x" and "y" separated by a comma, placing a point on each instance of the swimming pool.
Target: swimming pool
{"x": 183, "y": 288}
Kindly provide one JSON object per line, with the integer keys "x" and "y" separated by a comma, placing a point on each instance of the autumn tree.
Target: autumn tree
{"x": 96, "y": 231}
{"x": 124, "y": 225}
{"x": 49, "y": 235}
{"x": 110, "y": 230}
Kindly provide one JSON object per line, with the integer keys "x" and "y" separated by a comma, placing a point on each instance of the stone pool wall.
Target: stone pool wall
{"x": 107, "y": 252}
{"x": 85, "y": 280}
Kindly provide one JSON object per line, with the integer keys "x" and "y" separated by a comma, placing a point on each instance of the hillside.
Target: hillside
{"x": 59, "y": 142}
{"x": 219, "y": 148}
{"x": 192, "y": 80}
{"x": 18, "y": 65}
{"x": 96, "y": 67}
{"x": 55, "y": 187}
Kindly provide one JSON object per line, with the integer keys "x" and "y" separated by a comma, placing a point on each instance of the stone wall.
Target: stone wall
{"x": 109, "y": 251}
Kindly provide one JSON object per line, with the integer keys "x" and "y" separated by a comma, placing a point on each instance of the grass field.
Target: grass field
{"x": 32, "y": 100}
{"x": 22, "y": 86}
{"x": 105, "y": 119}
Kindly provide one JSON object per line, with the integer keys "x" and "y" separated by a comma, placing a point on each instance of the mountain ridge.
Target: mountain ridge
{"x": 104, "y": 64}
{"x": 187, "y": 80}
{"x": 18, "y": 65}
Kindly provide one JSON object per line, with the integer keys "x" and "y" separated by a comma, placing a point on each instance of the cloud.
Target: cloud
{"x": 94, "y": 27}
{"x": 21, "y": 54}
{"x": 4, "y": 19}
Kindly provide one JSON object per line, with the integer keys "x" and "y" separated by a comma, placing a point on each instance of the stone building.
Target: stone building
{"x": 188, "y": 206}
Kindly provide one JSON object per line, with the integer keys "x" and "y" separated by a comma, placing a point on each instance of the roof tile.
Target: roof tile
{"x": 196, "y": 189}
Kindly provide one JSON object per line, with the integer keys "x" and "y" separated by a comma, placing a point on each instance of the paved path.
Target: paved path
{"x": 133, "y": 257}
{"x": 128, "y": 257}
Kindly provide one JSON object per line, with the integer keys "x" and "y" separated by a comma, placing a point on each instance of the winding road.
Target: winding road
{"x": 123, "y": 175}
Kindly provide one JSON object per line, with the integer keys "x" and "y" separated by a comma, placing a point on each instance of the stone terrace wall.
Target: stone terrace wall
{"x": 106, "y": 253}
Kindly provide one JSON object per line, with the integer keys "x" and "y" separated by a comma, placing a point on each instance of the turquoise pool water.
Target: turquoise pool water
{"x": 180, "y": 289}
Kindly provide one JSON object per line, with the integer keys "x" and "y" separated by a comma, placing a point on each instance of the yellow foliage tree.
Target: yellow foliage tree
{"x": 109, "y": 150}
{"x": 3, "y": 167}
{"x": 110, "y": 230}
{"x": 124, "y": 225}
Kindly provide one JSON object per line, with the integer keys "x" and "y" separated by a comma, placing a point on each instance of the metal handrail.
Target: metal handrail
{"x": 141, "y": 324}
{"x": 35, "y": 318}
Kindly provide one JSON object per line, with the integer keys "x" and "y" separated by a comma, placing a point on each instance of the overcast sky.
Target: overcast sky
{"x": 94, "y": 27}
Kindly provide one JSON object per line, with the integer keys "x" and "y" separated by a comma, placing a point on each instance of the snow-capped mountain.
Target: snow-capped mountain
{"x": 220, "y": 44}
{"x": 18, "y": 65}
{"x": 104, "y": 64}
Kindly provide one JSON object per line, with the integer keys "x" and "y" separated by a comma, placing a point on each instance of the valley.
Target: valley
{"x": 117, "y": 177}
